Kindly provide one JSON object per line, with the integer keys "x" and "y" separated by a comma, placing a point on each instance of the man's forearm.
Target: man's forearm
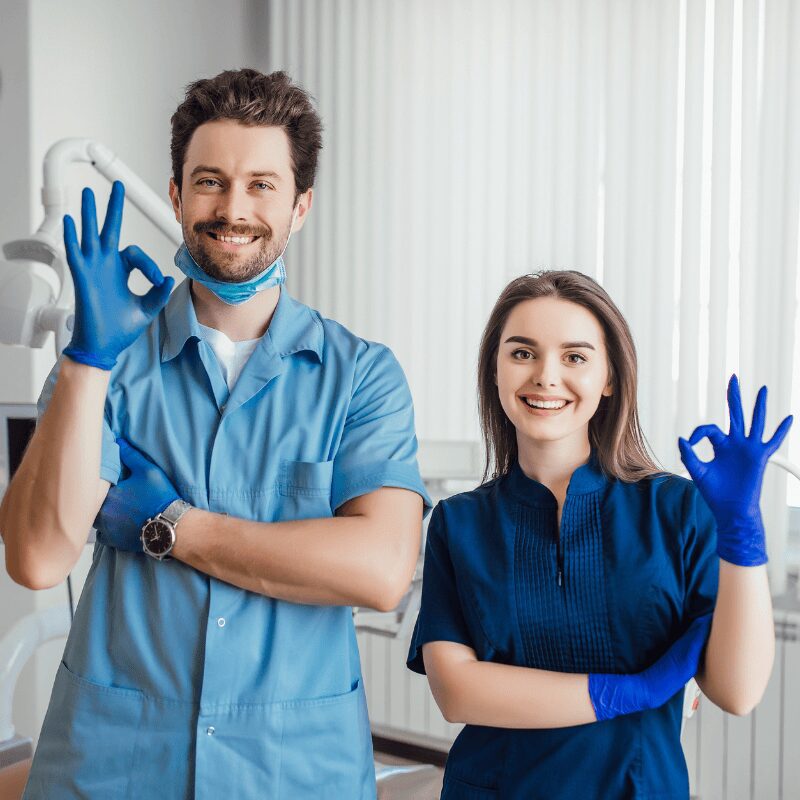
{"x": 48, "y": 508}
{"x": 741, "y": 647}
{"x": 346, "y": 560}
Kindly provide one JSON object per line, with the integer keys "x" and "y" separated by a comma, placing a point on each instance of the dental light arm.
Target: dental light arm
{"x": 36, "y": 292}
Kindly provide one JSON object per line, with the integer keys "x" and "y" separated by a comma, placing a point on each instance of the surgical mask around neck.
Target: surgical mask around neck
{"x": 235, "y": 293}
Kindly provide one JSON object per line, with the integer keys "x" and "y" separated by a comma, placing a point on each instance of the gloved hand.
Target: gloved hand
{"x": 145, "y": 492}
{"x": 108, "y": 315}
{"x": 614, "y": 695}
{"x": 731, "y": 483}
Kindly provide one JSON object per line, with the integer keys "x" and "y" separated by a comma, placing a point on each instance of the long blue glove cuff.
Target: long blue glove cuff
{"x": 740, "y": 538}
{"x": 615, "y": 695}
{"x": 87, "y": 358}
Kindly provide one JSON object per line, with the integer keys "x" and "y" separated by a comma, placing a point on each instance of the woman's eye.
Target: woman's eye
{"x": 576, "y": 358}
{"x": 522, "y": 355}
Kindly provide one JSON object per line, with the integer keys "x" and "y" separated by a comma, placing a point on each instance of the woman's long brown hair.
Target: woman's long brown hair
{"x": 614, "y": 431}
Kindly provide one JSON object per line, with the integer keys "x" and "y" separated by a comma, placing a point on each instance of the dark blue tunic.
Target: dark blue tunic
{"x": 632, "y": 565}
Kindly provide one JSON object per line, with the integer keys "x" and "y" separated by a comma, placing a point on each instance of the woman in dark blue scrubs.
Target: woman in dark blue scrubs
{"x": 578, "y": 560}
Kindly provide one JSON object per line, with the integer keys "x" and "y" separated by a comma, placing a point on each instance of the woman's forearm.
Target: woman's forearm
{"x": 741, "y": 647}
{"x": 499, "y": 695}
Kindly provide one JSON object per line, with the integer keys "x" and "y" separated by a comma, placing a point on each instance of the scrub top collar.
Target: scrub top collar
{"x": 586, "y": 479}
{"x": 293, "y": 328}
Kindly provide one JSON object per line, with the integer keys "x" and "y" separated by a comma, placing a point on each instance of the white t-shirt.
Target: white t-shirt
{"x": 232, "y": 356}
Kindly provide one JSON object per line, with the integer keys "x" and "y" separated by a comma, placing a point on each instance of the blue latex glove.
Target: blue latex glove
{"x": 731, "y": 483}
{"x": 614, "y": 695}
{"x": 145, "y": 492}
{"x": 108, "y": 315}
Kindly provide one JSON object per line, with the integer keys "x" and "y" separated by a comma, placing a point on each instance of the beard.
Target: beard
{"x": 233, "y": 267}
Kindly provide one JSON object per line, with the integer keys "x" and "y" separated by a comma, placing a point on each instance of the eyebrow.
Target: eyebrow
{"x": 534, "y": 343}
{"x": 259, "y": 173}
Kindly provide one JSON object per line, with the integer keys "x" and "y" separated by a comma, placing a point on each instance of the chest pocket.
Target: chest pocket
{"x": 304, "y": 489}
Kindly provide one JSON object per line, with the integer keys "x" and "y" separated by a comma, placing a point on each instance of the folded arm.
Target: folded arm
{"x": 485, "y": 693}
{"x": 499, "y": 695}
{"x": 365, "y": 556}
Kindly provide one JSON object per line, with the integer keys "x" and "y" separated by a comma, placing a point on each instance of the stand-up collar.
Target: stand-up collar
{"x": 585, "y": 479}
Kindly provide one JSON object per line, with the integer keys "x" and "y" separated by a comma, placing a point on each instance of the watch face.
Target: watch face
{"x": 157, "y": 537}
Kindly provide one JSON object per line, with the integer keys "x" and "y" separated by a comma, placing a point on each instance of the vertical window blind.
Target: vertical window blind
{"x": 652, "y": 145}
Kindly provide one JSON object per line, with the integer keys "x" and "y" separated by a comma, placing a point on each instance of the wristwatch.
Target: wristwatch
{"x": 158, "y": 533}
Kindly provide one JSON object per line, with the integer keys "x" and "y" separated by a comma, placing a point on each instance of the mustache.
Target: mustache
{"x": 222, "y": 229}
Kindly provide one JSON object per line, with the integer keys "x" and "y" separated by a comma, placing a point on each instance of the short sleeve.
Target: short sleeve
{"x": 441, "y": 616}
{"x": 378, "y": 445}
{"x": 110, "y": 465}
{"x": 700, "y": 560}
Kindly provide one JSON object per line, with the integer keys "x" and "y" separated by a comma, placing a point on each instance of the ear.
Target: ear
{"x": 609, "y": 389}
{"x": 175, "y": 197}
{"x": 303, "y": 207}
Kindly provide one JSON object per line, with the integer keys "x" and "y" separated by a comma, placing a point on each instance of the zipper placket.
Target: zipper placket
{"x": 559, "y": 552}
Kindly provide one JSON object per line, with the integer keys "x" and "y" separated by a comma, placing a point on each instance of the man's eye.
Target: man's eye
{"x": 262, "y": 185}
{"x": 208, "y": 182}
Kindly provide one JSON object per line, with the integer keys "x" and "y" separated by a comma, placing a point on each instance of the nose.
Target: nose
{"x": 545, "y": 372}
{"x": 233, "y": 205}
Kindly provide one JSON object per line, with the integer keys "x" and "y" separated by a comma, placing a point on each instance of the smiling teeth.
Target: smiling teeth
{"x": 236, "y": 239}
{"x": 545, "y": 403}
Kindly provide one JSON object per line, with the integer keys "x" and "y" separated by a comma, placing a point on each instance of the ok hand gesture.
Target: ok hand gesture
{"x": 731, "y": 483}
{"x": 108, "y": 315}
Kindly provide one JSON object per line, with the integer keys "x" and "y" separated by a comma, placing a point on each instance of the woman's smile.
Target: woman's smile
{"x": 540, "y": 406}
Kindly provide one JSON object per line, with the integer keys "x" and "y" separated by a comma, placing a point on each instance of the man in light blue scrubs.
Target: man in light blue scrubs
{"x": 267, "y": 453}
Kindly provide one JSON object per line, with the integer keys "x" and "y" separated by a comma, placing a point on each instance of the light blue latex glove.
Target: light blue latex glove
{"x": 145, "y": 492}
{"x": 731, "y": 483}
{"x": 614, "y": 695}
{"x": 108, "y": 315}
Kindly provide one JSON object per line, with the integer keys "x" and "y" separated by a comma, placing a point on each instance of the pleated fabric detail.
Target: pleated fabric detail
{"x": 563, "y": 627}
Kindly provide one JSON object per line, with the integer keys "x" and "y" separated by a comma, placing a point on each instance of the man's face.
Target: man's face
{"x": 237, "y": 199}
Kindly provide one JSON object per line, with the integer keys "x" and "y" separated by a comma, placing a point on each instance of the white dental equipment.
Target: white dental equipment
{"x": 36, "y": 293}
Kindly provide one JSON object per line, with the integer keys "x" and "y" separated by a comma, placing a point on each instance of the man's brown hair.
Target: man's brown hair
{"x": 251, "y": 98}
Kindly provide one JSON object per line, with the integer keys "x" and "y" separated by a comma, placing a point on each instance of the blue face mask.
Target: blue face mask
{"x": 234, "y": 293}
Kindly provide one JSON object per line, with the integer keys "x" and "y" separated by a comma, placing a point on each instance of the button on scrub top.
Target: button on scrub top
{"x": 632, "y": 565}
{"x": 178, "y": 685}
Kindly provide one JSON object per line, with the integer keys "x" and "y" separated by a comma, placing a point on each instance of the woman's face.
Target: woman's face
{"x": 552, "y": 370}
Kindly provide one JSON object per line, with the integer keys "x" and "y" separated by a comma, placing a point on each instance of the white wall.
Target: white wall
{"x": 114, "y": 72}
